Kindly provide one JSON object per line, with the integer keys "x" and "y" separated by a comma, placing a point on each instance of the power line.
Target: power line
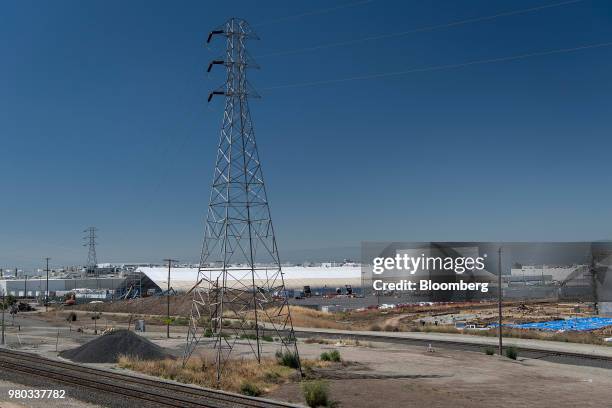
{"x": 314, "y": 12}
{"x": 441, "y": 67}
{"x": 418, "y": 30}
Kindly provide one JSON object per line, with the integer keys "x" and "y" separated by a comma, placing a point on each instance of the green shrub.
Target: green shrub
{"x": 512, "y": 352}
{"x": 267, "y": 338}
{"x": 333, "y": 355}
{"x": 272, "y": 376}
{"x": 490, "y": 351}
{"x": 248, "y": 388}
{"x": 180, "y": 321}
{"x": 316, "y": 393}
{"x": 288, "y": 359}
{"x": 248, "y": 336}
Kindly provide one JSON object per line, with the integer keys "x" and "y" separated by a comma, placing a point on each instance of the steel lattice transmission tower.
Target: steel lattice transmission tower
{"x": 90, "y": 242}
{"x": 240, "y": 287}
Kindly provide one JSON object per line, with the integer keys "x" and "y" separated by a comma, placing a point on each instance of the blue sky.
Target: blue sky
{"x": 105, "y": 122}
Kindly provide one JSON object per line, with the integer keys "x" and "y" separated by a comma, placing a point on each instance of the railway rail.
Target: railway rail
{"x": 137, "y": 389}
{"x": 554, "y": 356}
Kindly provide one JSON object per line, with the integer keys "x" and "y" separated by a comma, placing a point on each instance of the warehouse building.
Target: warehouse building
{"x": 102, "y": 288}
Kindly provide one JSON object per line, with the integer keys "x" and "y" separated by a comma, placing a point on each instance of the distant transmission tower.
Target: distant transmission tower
{"x": 240, "y": 288}
{"x": 90, "y": 241}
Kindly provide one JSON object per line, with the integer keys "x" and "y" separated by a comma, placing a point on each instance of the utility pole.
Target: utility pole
{"x": 593, "y": 271}
{"x": 25, "y": 286}
{"x": 499, "y": 296}
{"x": 3, "y": 310}
{"x": 47, "y": 290}
{"x": 169, "y": 260}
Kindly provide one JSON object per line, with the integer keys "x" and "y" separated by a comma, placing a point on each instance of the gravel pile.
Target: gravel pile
{"x": 108, "y": 348}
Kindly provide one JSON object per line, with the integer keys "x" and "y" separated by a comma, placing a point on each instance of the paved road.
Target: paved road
{"x": 586, "y": 349}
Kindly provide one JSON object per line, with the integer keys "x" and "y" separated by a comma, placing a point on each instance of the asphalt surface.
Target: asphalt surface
{"x": 564, "y": 353}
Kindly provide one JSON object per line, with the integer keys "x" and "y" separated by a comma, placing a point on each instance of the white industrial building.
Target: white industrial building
{"x": 104, "y": 287}
{"x": 36, "y": 287}
{"x": 296, "y": 277}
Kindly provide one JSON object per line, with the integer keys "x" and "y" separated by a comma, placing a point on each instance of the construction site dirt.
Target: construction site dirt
{"x": 391, "y": 373}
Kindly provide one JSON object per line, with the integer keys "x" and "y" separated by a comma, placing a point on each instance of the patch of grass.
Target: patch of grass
{"x": 251, "y": 389}
{"x": 248, "y": 336}
{"x": 239, "y": 376}
{"x": 512, "y": 353}
{"x": 272, "y": 376}
{"x": 567, "y": 337}
{"x": 430, "y": 328}
{"x": 339, "y": 342}
{"x": 288, "y": 359}
{"x": 251, "y": 336}
{"x": 180, "y": 321}
{"x": 209, "y": 333}
{"x": 316, "y": 393}
{"x": 489, "y": 351}
{"x": 333, "y": 355}
{"x": 305, "y": 317}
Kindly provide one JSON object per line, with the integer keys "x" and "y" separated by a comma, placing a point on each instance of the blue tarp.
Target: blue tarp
{"x": 576, "y": 324}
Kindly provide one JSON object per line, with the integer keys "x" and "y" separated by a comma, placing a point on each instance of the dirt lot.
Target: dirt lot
{"x": 410, "y": 377}
{"x": 387, "y": 375}
{"x": 424, "y": 318}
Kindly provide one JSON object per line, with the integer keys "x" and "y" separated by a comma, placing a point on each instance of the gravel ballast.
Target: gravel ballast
{"x": 109, "y": 347}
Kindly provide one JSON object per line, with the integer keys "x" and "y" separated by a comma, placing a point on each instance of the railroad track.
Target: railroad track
{"x": 547, "y": 355}
{"x": 136, "y": 389}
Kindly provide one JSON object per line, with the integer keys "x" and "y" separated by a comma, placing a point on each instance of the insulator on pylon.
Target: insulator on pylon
{"x": 214, "y": 62}
{"x": 210, "y": 35}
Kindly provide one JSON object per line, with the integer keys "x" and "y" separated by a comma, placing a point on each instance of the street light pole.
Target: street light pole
{"x": 499, "y": 297}
{"x": 169, "y": 260}
{"x": 47, "y": 291}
